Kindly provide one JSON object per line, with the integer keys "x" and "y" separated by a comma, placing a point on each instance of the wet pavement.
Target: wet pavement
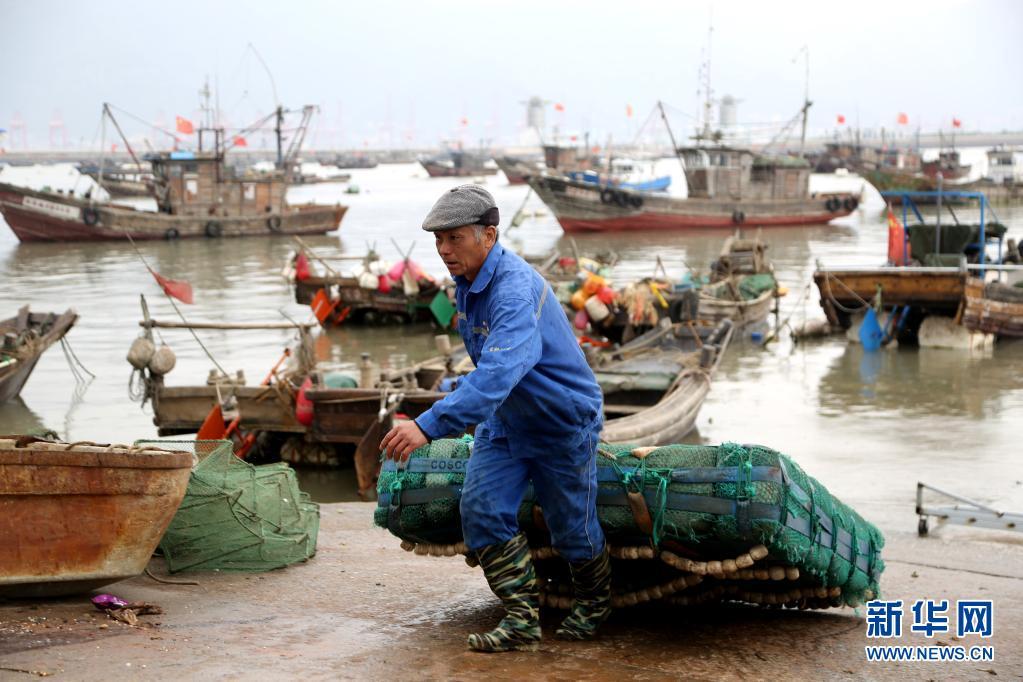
{"x": 365, "y": 609}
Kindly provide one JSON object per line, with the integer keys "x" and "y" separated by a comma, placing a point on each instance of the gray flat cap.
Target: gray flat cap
{"x": 463, "y": 205}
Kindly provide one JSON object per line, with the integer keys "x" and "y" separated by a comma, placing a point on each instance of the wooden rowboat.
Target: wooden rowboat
{"x": 993, "y": 308}
{"x": 74, "y": 517}
{"x": 23, "y": 340}
{"x": 655, "y": 385}
{"x": 725, "y": 296}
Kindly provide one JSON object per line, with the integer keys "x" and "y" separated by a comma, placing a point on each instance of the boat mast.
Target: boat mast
{"x": 671, "y": 136}
{"x": 127, "y": 145}
{"x": 277, "y": 130}
{"x": 806, "y": 95}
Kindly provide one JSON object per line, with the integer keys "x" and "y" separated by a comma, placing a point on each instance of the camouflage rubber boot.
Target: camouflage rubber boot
{"x": 591, "y": 584}
{"x": 509, "y": 570}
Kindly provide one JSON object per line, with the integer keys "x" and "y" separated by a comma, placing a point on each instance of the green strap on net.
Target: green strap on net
{"x": 636, "y": 481}
{"x": 745, "y": 491}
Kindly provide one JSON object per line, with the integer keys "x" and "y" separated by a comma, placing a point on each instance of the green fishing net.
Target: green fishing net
{"x": 236, "y": 516}
{"x": 706, "y": 503}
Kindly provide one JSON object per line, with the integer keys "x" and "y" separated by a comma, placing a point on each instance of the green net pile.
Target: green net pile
{"x": 236, "y": 516}
{"x": 753, "y": 286}
{"x": 707, "y": 503}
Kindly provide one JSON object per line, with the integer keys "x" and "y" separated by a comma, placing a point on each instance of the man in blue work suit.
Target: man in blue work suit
{"x": 537, "y": 407}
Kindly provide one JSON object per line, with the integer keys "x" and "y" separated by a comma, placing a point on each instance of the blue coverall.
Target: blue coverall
{"x": 537, "y": 407}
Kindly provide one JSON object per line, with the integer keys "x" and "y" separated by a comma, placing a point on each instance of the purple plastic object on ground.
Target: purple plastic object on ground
{"x": 106, "y": 602}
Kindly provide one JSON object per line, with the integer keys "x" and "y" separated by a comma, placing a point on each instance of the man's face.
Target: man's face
{"x": 461, "y": 252}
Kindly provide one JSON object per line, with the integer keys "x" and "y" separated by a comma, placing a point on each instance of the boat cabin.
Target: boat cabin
{"x": 729, "y": 173}
{"x": 1003, "y": 166}
{"x": 201, "y": 184}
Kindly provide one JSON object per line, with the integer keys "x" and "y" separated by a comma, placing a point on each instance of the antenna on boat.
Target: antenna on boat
{"x": 708, "y": 92}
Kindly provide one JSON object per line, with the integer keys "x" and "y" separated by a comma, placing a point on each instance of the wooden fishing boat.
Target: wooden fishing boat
{"x": 197, "y": 194}
{"x": 655, "y": 385}
{"x": 993, "y": 308}
{"x": 727, "y": 187}
{"x": 182, "y": 409}
{"x": 337, "y": 298}
{"x": 742, "y": 287}
{"x": 932, "y": 290}
{"x": 937, "y": 260}
{"x": 516, "y": 170}
{"x": 352, "y": 303}
{"x": 74, "y": 517}
{"x": 25, "y": 337}
{"x": 458, "y": 164}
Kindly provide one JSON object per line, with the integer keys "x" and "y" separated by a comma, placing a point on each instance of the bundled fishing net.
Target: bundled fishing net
{"x": 686, "y": 524}
{"x": 236, "y": 516}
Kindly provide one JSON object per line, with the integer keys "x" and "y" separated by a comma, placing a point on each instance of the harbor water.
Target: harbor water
{"x": 867, "y": 425}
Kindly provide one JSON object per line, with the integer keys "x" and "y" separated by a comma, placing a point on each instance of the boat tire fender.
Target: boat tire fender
{"x": 622, "y": 199}
{"x": 214, "y": 230}
{"x": 273, "y": 223}
{"x": 90, "y": 215}
{"x": 850, "y": 203}
{"x": 171, "y": 234}
{"x": 832, "y": 204}
{"x": 606, "y": 196}
{"x": 636, "y": 201}
{"x": 738, "y": 217}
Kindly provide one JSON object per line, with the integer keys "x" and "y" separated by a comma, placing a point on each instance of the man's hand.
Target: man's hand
{"x": 401, "y": 440}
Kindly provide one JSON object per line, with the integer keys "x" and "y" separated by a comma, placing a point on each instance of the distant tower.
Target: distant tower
{"x": 18, "y": 126}
{"x": 536, "y": 109}
{"x": 58, "y": 133}
{"x": 727, "y": 113}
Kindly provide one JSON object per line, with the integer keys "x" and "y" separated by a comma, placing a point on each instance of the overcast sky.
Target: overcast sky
{"x": 387, "y": 71}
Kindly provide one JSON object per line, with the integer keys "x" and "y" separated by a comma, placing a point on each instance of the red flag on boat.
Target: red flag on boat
{"x": 956, "y": 123}
{"x": 559, "y": 107}
{"x": 183, "y": 125}
{"x": 179, "y": 289}
{"x": 628, "y": 110}
{"x": 841, "y": 119}
{"x": 898, "y": 249}
{"x": 240, "y": 141}
{"x": 302, "y": 271}
{"x": 903, "y": 119}
{"x": 465, "y": 121}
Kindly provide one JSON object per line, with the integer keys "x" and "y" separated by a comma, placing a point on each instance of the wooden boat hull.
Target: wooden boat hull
{"x": 585, "y": 207}
{"x": 515, "y": 170}
{"x": 46, "y": 217}
{"x": 440, "y": 170}
{"x": 674, "y": 415}
{"x": 368, "y": 305}
{"x": 72, "y": 520}
{"x": 984, "y": 314}
{"x": 936, "y": 290}
{"x": 14, "y": 376}
{"x": 742, "y": 313}
{"x": 182, "y": 409}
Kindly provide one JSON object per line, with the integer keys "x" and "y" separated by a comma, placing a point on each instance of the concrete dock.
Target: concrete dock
{"x": 363, "y": 608}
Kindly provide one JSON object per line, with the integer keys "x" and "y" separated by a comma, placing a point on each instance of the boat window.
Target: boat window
{"x": 191, "y": 188}
{"x": 249, "y": 191}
